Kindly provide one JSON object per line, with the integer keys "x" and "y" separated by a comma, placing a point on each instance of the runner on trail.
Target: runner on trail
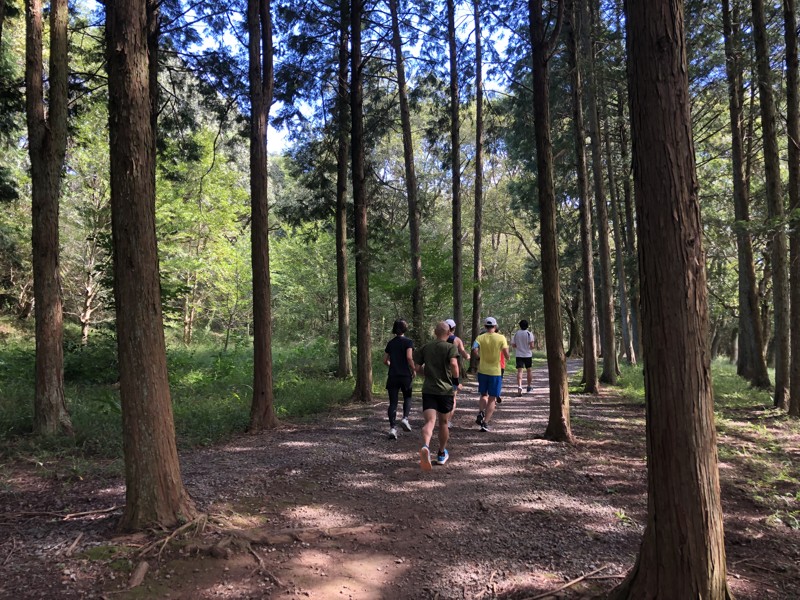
{"x": 462, "y": 351}
{"x": 489, "y": 347}
{"x": 399, "y": 358}
{"x": 438, "y": 360}
{"x": 522, "y": 342}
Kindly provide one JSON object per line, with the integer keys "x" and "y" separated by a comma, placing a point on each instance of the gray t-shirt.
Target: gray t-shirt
{"x": 522, "y": 342}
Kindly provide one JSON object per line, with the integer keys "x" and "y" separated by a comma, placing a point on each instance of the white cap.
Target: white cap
{"x": 490, "y": 322}
{"x": 450, "y": 323}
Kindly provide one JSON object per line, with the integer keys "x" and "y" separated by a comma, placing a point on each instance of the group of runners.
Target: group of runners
{"x": 439, "y": 362}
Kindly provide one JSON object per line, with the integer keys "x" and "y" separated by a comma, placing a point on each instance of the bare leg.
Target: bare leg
{"x": 427, "y": 431}
{"x": 530, "y": 377}
{"x": 444, "y": 430}
{"x": 519, "y": 378}
{"x": 452, "y": 412}
{"x": 490, "y": 406}
{"x": 483, "y": 402}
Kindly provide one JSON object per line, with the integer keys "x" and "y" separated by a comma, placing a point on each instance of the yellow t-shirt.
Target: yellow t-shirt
{"x": 490, "y": 345}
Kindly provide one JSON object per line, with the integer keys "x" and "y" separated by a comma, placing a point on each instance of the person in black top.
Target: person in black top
{"x": 398, "y": 356}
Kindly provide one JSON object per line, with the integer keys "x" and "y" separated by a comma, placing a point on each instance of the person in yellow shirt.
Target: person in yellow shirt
{"x": 489, "y": 347}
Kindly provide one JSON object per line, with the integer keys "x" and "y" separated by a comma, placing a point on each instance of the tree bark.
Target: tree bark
{"x": 793, "y": 129}
{"x": 477, "y": 233}
{"x": 606, "y": 312}
{"x": 572, "y": 26}
{"x": 775, "y": 211}
{"x": 558, "y": 426}
{"x": 259, "y": 28}
{"x": 363, "y": 390}
{"x": 343, "y": 150}
{"x": 47, "y": 137}
{"x": 455, "y": 169}
{"x": 750, "y": 362}
{"x": 412, "y": 188}
{"x": 155, "y": 496}
{"x": 683, "y": 551}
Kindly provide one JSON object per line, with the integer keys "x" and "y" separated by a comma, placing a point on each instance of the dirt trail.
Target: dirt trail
{"x": 336, "y": 510}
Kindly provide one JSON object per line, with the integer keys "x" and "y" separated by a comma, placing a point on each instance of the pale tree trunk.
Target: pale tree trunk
{"x": 793, "y": 129}
{"x": 155, "y": 496}
{"x": 412, "y": 188}
{"x": 572, "y": 25}
{"x": 259, "y": 27}
{"x": 558, "y": 425}
{"x": 750, "y": 361}
{"x": 624, "y": 315}
{"x": 775, "y": 211}
{"x": 47, "y": 143}
{"x": 606, "y": 312}
{"x": 342, "y": 152}
{"x": 2, "y": 18}
{"x": 363, "y": 390}
{"x": 683, "y": 549}
{"x": 477, "y": 233}
{"x": 455, "y": 169}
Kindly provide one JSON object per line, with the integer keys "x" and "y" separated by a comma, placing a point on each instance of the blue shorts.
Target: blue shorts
{"x": 491, "y": 385}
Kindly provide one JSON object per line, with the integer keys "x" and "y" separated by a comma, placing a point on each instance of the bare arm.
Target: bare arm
{"x": 386, "y": 360}
{"x": 506, "y": 353}
{"x": 410, "y": 360}
{"x": 461, "y": 349}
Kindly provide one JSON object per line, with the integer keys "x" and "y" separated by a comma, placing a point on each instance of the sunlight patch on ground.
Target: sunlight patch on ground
{"x": 322, "y": 516}
{"x": 297, "y": 444}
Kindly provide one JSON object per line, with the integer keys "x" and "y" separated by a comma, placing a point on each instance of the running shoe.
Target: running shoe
{"x": 529, "y": 388}
{"x": 405, "y": 424}
{"x": 484, "y": 426}
{"x": 499, "y": 400}
{"x": 480, "y": 417}
{"x": 425, "y": 458}
{"x": 442, "y": 457}
{"x": 519, "y": 391}
{"x": 393, "y": 433}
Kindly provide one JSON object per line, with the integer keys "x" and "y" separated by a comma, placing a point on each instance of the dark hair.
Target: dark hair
{"x": 523, "y": 324}
{"x": 399, "y": 327}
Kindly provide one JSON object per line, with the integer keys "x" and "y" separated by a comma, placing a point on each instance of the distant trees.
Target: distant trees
{"x": 47, "y": 135}
{"x": 683, "y": 552}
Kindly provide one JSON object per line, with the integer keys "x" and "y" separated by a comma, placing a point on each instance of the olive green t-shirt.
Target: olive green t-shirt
{"x": 436, "y": 357}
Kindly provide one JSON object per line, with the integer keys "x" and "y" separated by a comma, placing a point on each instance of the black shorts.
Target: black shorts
{"x": 402, "y": 383}
{"x": 524, "y": 362}
{"x": 442, "y": 404}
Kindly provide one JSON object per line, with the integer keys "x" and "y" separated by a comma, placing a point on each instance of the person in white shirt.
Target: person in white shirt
{"x": 523, "y": 342}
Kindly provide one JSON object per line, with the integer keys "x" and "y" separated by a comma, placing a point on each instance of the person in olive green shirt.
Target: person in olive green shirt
{"x": 438, "y": 361}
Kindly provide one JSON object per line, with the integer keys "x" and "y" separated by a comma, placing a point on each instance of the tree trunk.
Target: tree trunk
{"x": 558, "y": 426}
{"x": 259, "y": 28}
{"x": 412, "y": 188}
{"x": 363, "y": 390}
{"x": 683, "y": 551}
{"x": 477, "y": 234}
{"x": 47, "y": 143}
{"x": 343, "y": 150}
{"x": 2, "y": 18}
{"x": 793, "y": 129}
{"x": 606, "y": 312}
{"x": 155, "y": 496}
{"x": 575, "y": 347}
{"x": 775, "y": 212}
{"x": 624, "y": 315}
{"x": 455, "y": 170}
{"x": 750, "y": 363}
{"x": 573, "y": 24}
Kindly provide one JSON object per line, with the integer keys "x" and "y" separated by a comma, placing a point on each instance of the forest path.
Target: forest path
{"x": 331, "y": 508}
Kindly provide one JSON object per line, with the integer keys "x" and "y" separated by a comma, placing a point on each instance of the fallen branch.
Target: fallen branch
{"x": 264, "y": 569}
{"x": 10, "y": 552}
{"x": 67, "y": 517}
{"x": 71, "y": 549}
{"x": 91, "y": 512}
{"x": 199, "y": 522}
{"x": 568, "y": 584}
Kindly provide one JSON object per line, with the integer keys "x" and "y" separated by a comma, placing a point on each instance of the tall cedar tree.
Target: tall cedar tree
{"x": 260, "y": 75}
{"x": 750, "y": 362}
{"x": 412, "y": 188}
{"x": 477, "y": 232}
{"x": 793, "y": 129}
{"x": 606, "y": 296}
{"x": 558, "y": 426}
{"x": 683, "y": 551}
{"x": 363, "y": 390}
{"x": 47, "y": 135}
{"x": 572, "y": 26}
{"x": 342, "y": 171}
{"x": 455, "y": 171}
{"x": 155, "y": 496}
{"x": 775, "y": 211}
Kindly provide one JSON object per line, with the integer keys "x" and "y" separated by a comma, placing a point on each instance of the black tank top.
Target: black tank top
{"x": 451, "y": 338}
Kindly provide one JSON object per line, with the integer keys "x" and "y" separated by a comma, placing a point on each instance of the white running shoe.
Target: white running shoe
{"x": 519, "y": 391}
{"x": 393, "y": 433}
{"x": 405, "y": 424}
{"x": 425, "y": 458}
